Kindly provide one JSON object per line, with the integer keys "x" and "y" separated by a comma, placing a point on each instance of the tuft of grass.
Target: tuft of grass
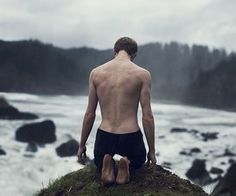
{"x": 147, "y": 181}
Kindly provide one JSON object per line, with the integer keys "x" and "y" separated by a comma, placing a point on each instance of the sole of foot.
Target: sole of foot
{"x": 107, "y": 177}
{"x": 123, "y": 171}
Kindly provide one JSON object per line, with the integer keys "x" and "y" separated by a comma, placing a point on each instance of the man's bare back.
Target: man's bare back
{"x": 118, "y": 84}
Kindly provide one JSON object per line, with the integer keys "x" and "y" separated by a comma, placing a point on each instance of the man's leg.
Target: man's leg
{"x": 123, "y": 171}
{"x": 107, "y": 176}
{"x": 132, "y": 148}
{"x": 103, "y": 145}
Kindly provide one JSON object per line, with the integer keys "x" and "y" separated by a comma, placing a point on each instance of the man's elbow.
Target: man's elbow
{"x": 90, "y": 115}
{"x": 148, "y": 118}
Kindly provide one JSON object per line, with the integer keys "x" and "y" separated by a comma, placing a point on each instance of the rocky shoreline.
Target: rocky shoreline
{"x": 37, "y": 134}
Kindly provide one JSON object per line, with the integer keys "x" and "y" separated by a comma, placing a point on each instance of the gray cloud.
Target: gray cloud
{"x": 98, "y": 23}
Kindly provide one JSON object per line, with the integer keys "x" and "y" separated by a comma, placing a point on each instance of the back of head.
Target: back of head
{"x": 128, "y": 45}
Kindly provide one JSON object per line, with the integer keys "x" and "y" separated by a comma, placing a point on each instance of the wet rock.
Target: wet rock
{"x": 226, "y": 185}
{"x": 29, "y": 155}
{"x": 41, "y": 145}
{"x": 198, "y": 173}
{"x": 216, "y": 170}
{"x": 69, "y": 148}
{"x": 184, "y": 153}
{"x": 232, "y": 161}
{"x": 178, "y": 130}
{"x": 196, "y": 150}
{"x": 40, "y": 132}
{"x": 228, "y": 153}
{"x": 194, "y": 131}
{"x": 9, "y": 112}
{"x": 190, "y": 152}
{"x": 31, "y": 147}
{"x": 209, "y": 136}
{"x": 2, "y": 152}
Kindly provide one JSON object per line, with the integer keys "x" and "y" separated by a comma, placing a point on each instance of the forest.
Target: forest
{"x": 195, "y": 75}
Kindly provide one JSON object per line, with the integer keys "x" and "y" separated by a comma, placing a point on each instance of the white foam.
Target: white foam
{"x": 22, "y": 175}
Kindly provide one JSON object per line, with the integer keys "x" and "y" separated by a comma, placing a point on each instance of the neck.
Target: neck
{"x": 122, "y": 55}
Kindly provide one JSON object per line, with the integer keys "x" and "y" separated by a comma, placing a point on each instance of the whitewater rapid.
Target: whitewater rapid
{"x": 24, "y": 173}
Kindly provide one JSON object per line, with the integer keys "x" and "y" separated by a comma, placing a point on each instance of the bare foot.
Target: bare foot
{"x": 123, "y": 171}
{"x": 107, "y": 176}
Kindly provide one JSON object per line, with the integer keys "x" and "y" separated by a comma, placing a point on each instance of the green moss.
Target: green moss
{"x": 148, "y": 181}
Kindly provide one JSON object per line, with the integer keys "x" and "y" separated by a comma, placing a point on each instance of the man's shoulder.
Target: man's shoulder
{"x": 143, "y": 73}
{"x": 98, "y": 72}
{"x": 99, "y": 68}
{"x": 95, "y": 71}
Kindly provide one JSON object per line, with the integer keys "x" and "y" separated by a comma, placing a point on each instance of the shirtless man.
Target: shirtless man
{"x": 119, "y": 85}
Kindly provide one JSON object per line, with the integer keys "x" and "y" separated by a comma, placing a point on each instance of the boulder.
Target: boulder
{"x": 228, "y": 153}
{"x": 194, "y": 131}
{"x": 149, "y": 180}
{"x": 195, "y": 150}
{"x": 190, "y": 152}
{"x": 231, "y": 161}
{"x": 178, "y": 130}
{"x": 40, "y": 132}
{"x": 198, "y": 173}
{"x": 28, "y": 155}
{"x": 31, "y": 147}
{"x": 11, "y": 113}
{"x": 216, "y": 170}
{"x": 2, "y": 152}
{"x": 209, "y": 136}
{"x": 69, "y": 148}
{"x": 227, "y": 185}
{"x": 183, "y": 152}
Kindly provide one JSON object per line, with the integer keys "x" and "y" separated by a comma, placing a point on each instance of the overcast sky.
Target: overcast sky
{"x": 98, "y": 23}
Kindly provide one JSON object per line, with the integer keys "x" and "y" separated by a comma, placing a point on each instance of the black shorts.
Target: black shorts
{"x": 130, "y": 145}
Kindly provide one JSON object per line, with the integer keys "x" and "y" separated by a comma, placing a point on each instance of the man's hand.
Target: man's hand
{"x": 82, "y": 155}
{"x": 151, "y": 158}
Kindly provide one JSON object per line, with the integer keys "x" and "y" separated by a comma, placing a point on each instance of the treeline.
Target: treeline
{"x": 215, "y": 88}
{"x": 179, "y": 72}
{"x": 175, "y": 66}
{"x": 34, "y": 67}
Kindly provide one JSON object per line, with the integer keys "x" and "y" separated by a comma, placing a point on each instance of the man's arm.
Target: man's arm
{"x": 147, "y": 116}
{"x": 89, "y": 116}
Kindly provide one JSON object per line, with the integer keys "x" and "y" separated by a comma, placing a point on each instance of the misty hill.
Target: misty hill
{"x": 34, "y": 67}
{"x": 215, "y": 88}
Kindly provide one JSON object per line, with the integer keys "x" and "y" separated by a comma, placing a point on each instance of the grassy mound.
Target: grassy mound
{"x": 148, "y": 181}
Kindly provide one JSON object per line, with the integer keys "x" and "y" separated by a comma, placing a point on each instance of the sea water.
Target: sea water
{"x": 24, "y": 173}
